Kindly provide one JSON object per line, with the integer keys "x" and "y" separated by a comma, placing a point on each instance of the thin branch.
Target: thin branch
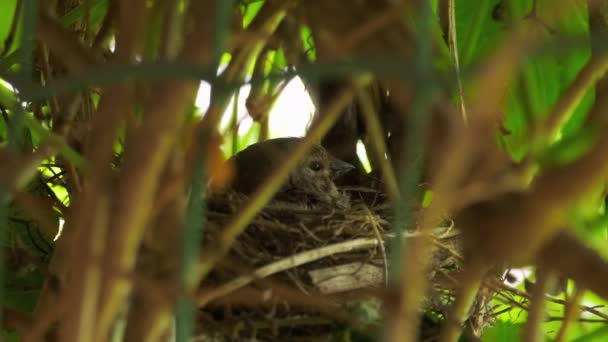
{"x": 63, "y": 44}
{"x": 536, "y": 311}
{"x": 453, "y": 43}
{"x": 583, "y": 264}
{"x": 469, "y": 286}
{"x": 285, "y": 264}
{"x": 571, "y": 314}
{"x": 373, "y": 126}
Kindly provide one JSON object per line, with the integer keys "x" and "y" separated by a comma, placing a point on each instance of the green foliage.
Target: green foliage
{"x": 481, "y": 25}
{"x": 249, "y": 9}
{"x": 21, "y": 289}
{"x": 7, "y": 11}
{"x": 503, "y": 331}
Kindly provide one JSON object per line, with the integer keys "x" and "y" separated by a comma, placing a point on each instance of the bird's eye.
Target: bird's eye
{"x": 315, "y": 166}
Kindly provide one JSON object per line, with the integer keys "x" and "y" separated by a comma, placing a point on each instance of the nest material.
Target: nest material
{"x": 331, "y": 260}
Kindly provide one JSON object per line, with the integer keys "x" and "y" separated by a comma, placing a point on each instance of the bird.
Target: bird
{"x": 310, "y": 186}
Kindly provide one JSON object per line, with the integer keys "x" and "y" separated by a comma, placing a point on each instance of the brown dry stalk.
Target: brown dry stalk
{"x": 582, "y": 264}
{"x": 15, "y": 320}
{"x": 536, "y": 311}
{"x": 95, "y": 203}
{"x": 493, "y": 79}
{"x": 172, "y": 26}
{"x": 146, "y": 153}
{"x": 151, "y": 309}
{"x": 512, "y": 228}
{"x": 145, "y": 156}
{"x": 112, "y": 105}
{"x": 572, "y": 313}
{"x": 47, "y": 73}
{"x": 370, "y": 27}
{"x": 531, "y": 218}
{"x": 453, "y": 44}
{"x": 470, "y": 281}
{"x": 64, "y": 44}
{"x": 374, "y": 128}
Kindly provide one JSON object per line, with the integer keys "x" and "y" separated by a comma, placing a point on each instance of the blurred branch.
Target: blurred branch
{"x": 536, "y": 311}
{"x": 453, "y": 44}
{"x": 17, "y": 321}
{"x": 409, "y": 262}
{"x": 469, "y": 284}
{"x": 571, "y": 314}
{"x": 171, "y": 28}
{"x": 64, "y": 45}
{"x": 29, "y": 22}
{"x": 378, "y": 143}
{"x": 598, "y": 29}
{"x": 147, "y": 151}
{"x": 80, "y": 292}
{"x": 581, "y": 263}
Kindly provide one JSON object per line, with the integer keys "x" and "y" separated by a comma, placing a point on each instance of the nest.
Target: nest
{"x": 310, "y": 275}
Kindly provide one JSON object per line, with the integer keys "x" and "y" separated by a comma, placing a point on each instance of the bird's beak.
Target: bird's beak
{"x": 338, "y": 167}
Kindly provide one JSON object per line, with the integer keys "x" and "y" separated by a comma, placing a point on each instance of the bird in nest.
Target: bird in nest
{"x": 310, "y": 186}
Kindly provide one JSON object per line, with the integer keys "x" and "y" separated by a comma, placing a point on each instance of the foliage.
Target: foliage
{"x": 98, "y": 131}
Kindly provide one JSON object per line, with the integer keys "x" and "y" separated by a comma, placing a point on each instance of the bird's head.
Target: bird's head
{"x": 316, "y": 173}
{"x": 314, "y": 176}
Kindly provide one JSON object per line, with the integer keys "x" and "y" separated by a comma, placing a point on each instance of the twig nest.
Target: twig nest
{"x": 325, "y": 254}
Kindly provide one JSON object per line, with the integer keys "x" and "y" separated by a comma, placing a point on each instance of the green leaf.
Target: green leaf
{"x": 477, "y": 31}
{"x": 21, "y": 289}
{"x": 597, "y": 335}
{"x": 309, "y": 43}
{"x": 99, "y": 8}
{"x": 47, "y": 136}
{"x": 98, "y": 11}
{"x": 503, "y": 331}
{"x": 7, "y": 11}
{"x": 249, "y": 10}
{"x": 10, "y": 336}
{"x": 7, "y": 96}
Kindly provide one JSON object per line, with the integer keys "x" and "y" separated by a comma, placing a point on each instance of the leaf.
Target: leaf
{"x": 477, "y": 31}
{"x": 21, "y": 290}
{"x": 98, "y": 11}
{"x": 597, "y": 335}
{"x": 7, "y": 10}
{"x": 249, "y": 10}
{"x": 503, "y": 331}
{"x": 309, "y": 43}
{"x": 7, "y": 96}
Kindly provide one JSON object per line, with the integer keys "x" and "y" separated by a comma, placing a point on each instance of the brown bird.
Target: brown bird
{"x": 310, "y": 186}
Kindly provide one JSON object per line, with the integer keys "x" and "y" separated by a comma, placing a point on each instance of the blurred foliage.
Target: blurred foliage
{"x": 481, "y": 26}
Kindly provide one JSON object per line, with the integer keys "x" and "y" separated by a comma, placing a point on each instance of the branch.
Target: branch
{"x": 64, "y": 45}
{"x": 567, "y": 255}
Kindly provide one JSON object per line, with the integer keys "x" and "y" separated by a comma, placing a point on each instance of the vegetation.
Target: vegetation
{"x": 491, "y": 115}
